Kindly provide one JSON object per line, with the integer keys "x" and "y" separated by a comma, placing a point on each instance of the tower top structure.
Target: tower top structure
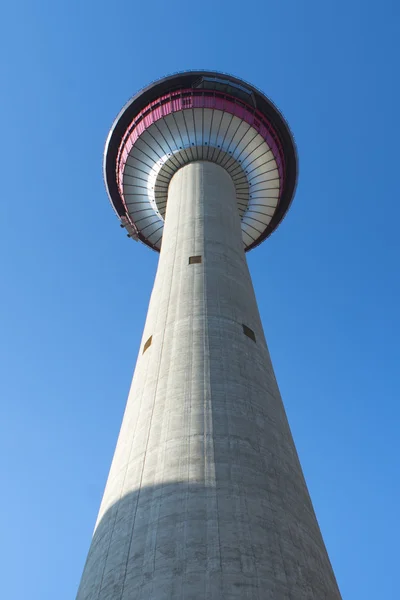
{"x": 207, "y": 116}
{"x": 205, "y": 496}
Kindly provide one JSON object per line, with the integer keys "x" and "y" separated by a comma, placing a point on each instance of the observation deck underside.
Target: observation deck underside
{"x": 218, "y": 120}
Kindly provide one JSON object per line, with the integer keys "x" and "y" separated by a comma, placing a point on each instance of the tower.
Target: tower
{"x": 205, "y": 497}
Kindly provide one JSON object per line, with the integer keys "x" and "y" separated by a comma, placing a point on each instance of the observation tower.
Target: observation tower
{"x": 205, "y": 498}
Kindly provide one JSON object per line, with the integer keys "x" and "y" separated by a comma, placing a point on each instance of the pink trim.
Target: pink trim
{"x": 187, "y": 99}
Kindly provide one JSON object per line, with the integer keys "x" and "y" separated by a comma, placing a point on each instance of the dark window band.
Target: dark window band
{"x": 194, "y": 260}
{"x": 147, "y": 344}
{"x": 249, "y": 332}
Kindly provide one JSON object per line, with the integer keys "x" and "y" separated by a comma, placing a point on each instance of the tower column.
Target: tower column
{"x": 205, "y": 497}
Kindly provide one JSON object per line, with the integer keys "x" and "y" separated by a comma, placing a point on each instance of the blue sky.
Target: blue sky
{"x": 74, "y": 289}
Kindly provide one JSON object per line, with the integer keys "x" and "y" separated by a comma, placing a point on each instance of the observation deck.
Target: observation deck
{"x": 200, "y": 115}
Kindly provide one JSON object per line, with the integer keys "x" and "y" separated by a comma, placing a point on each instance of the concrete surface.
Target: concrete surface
{"x": 205, "y": 496}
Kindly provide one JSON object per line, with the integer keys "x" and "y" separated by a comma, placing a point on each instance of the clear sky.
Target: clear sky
{"x": 74, "y": 289}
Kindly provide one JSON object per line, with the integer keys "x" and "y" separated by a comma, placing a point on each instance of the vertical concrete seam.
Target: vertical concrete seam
{"x": 175, "y": 282}
{"x": 208, "y": 433}
{"x": 149, "y": 427}
{"x": 207, "y": 384}
{"x": 188, "y": 408}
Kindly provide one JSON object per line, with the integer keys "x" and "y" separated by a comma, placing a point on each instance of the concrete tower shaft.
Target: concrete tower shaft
{"x": 205, "y": 498}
